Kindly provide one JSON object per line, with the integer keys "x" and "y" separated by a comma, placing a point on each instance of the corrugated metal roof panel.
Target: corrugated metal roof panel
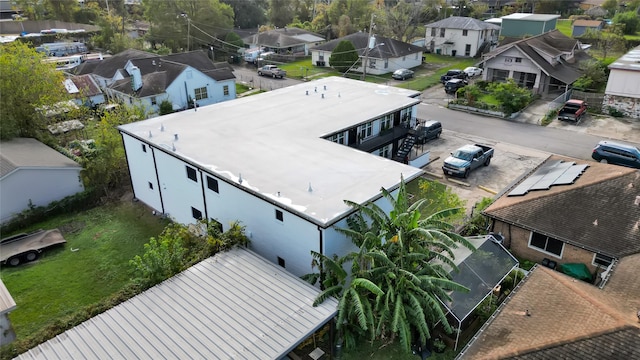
{"x": 233, "y": 305}
{"x": 7, "y": 303}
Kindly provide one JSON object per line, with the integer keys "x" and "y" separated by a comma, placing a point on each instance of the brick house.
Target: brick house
{"x": 571, "y": 211}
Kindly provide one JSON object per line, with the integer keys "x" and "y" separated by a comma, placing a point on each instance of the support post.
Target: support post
{"x": 366, "y": 51}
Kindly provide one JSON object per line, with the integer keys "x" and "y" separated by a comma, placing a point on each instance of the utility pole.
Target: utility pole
{"x": 366, "y": 51}
{"x": 186, "y": 16}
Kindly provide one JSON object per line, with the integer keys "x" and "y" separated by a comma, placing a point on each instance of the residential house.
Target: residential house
{"x": 384, "y": 56}
{"x": 232, "y": 305}
{"x": 590, "y": 4}
{"x": 521, "y": 24}
{"x": 84, "y": 90}
{"x": 571, "y": 211}
{"x": 550, "y": 315}
{"x": 285, "y": 41}
{"x": 623, "y": 86}
{"x": 596, "y": 12}
{"x": 579, "y": 27}
{"x": 33, "y": 174}
{"x": 544, "y": 63}
{"x": 137, "y": 77}
{"x": 281, "y": 162}
{"x": 461, "y": 36}
{"x": 7, "y": 305}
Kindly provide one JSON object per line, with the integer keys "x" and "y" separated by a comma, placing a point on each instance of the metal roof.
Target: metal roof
{"x": 234, "y": 305}
{"x": 31, "y": 153}
{"x": 531, "y": 17}
{"x": 271, "y": 144}
{"x": 7, "y": 304}
{"x": 466, "y": 23}
{"x": 629, "y": 61}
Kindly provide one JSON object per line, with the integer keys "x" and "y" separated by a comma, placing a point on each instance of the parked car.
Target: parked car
{"x": 431, "y": 129}
{"x": 467, "y": 158}
{"x": 402, "y": 74}
{"x": 453, "y": 74}
{"x": 272, "y": 70}
{"x": 573, "y": 110}
{"x": 617, "y": 153}
{"x": 472, "y": 71}
{"x": 453, "y": 85}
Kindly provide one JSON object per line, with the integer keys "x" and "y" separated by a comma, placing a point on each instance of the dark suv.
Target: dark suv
{"x": 453, "y": 74}
{"x": 452, "y": 86}
{"x": 617, "y": 153}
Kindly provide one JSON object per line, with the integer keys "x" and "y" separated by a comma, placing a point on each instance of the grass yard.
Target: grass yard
{"x": 379, "y": 351}
{"x": 564, "y": 25}
{"x": 63, "y": 281}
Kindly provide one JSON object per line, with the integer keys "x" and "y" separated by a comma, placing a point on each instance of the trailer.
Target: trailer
{"x": 26, "y": 247}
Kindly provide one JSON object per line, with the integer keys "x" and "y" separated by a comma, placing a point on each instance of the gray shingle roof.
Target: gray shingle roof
{"x": 234, "y": 305}
{"x": 30, "y": 153}
{"x": 391, "y": 48}
{"x": 464, "y": 23}
{"x": 596, "y": 212}
{"x": 282, "y": 38}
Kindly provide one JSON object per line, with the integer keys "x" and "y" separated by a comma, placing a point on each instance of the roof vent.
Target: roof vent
{"x": 175, "y": 137}
{"x": 150, "y": 135}
{"x": 322, "y": 95}
{"x": 339, "y": 95}
{"x": 325, "y": 87}
{"x": 173, "y": 146}
{"x": 307, "y": 92}
{"x": 637, "y": 202}
{"x": 315, "y": 89}
{"x": 310, "y": 189}
{"x": 240, "y": 178}
{"x": 161, "y": 127}
{"x": 278, "y": 194}
{"x": 595, "y": 222}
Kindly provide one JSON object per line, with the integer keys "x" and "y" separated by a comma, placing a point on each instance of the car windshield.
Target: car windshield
{"x": 462, "y": 155}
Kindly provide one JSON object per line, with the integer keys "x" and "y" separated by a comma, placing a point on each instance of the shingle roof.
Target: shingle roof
{"x": 107, "y": 67}
{"x": 587, "y": 23}
{"x": 553, "y": 43}
{"x": 30, "y": 153}
{"x": 86, "y": 85}
{"x": 234, "y": 305}
{"x": 284, "y": 37}
{"x": 569, "y": 319}
{"x": 391, "y": 48}
{"x": 465, "y": 23}
{"x": 597, "y": 212}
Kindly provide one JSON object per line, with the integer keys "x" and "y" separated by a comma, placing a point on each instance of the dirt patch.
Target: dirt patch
{"x": 71, "y": 227}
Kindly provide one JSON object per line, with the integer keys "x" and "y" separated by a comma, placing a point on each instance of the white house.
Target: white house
{"x": 285, "y": 41}
{"x": 623, "y": 86}
{"x": 461, "y": 36}
{"x": 84, "y": 90}
{"x": 385, "y": 55}
{"x": 281, "y": 162}
{"x": 33, "y": 174}
{"x": 141, "y": 78}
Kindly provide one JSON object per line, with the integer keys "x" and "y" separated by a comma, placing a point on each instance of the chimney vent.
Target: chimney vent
{"x": 323, "y": 95}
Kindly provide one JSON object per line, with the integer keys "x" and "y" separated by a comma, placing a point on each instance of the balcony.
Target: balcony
{"x": 385, "y": 137}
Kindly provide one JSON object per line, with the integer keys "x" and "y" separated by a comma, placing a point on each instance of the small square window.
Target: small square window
{"x": 279, "y": 215}
{"x": 153, "y": 100}
{"x": 197, "y": 214}
{"x": 225, "y": 89}
{"x": 216, "y": 225}
{"x": 150, "y": 185}
{"x": 281, "y": 261}
{"x": 465, "y": 32}
{"x": 191, "y": 173}
{"x": 144, "y": 148}
{"x": 212, "y": 184}
{"x": 518, "y": 60}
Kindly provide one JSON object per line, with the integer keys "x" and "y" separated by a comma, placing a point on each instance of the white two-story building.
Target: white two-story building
{"x": 461, "y": 36}
{"x": 281, "y": 162}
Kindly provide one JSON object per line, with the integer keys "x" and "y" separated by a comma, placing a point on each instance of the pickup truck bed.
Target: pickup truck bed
{"x": 27, "y": 247}
{"x": 573, "y": 110}
{"x": 467, "y": 158}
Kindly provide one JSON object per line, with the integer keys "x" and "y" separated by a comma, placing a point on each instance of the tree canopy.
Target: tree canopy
{"x": 393, "y": 288}
{"x": 343, "y": 56}
{"x": 27, "y": 85}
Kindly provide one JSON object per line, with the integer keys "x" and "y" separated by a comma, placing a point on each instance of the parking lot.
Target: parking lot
{"x": 509, "y": 162}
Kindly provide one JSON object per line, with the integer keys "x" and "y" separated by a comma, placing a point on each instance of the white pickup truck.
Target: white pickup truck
{"x": 273, "y": 71}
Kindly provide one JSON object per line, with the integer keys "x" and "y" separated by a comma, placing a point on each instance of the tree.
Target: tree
{"x": 395, "y": 286}
{"x": 512, "y": 97}
{"x": 606, "y": 41}
{"x": 30, "y": 85}
{"x": 280, "y": 12}
{"x": 402, "y": 20}
{"x": 610, "y": 6}
{"x": 178, "y": 23}
{"x": 594, "y": 78}
{"x": 248, "y": 13}
{"x": 343, "y": 56}
{"x": 630, "y": 20}
{"x": 232, "y": 42}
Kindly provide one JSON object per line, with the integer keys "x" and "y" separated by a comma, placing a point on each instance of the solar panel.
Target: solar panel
{"x": 554, "y": 173}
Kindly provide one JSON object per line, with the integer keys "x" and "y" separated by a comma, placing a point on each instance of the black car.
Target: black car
{"x": 453, "y": 85}
{"x": 453, "y": 74}
{"x": 617, "y": 153}
{"x": 402, "y": 74}
{"x": 431, "y": 129}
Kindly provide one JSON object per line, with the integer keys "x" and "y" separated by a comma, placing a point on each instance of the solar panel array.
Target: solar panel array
{"x": 552, "y": 173}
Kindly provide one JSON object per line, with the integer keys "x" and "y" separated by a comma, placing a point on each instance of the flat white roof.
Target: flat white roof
{"x": 271, "y": 144}
{"x": 532, "y": 17}
{"x": 234, "y": 305}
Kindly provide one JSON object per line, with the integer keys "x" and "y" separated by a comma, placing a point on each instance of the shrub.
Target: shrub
{"x": 614, "y": 112}
{"x": 166, "y": 107}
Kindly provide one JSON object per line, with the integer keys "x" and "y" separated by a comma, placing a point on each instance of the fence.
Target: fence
{"x": 593, "y": 99}
{"x": 560, "y": 100}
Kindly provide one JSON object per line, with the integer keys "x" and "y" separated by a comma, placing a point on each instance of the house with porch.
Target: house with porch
{"x": 281, "y": 162}
{"x": 571, "y": 211}
{"x": 544, "y": 63}
{"x": 385, "y": 55}
{"x": 461, "y": 36}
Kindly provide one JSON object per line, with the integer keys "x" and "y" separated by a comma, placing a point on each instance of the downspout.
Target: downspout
{"x": 321, "y": 251}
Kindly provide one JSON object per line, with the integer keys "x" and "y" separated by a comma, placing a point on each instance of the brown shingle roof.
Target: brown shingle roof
{"x": 597, "y": 211}
{"x": 569, "y": 319}
{"x": 587, "y": 23}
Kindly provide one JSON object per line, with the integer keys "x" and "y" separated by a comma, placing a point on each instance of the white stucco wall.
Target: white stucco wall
{"x": 475, "y": 38}
{"x": 40, "y": 185}
{"x": 142, "y": 171}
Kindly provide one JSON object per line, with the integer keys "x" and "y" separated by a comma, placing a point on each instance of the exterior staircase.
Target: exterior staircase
{"x": 405, "y": 148}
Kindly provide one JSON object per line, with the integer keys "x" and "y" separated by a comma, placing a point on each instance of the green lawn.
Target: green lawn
{"x": 564, "y": 25}
{"x": 380, "y": 351}
{"x": 63, "y": 281}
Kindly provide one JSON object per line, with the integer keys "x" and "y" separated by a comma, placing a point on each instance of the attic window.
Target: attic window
{"x": 518, "y": 60}
{"x": 465, "y": 32}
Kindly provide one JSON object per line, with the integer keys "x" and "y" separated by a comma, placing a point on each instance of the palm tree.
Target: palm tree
{"x": 395, "y": 287}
